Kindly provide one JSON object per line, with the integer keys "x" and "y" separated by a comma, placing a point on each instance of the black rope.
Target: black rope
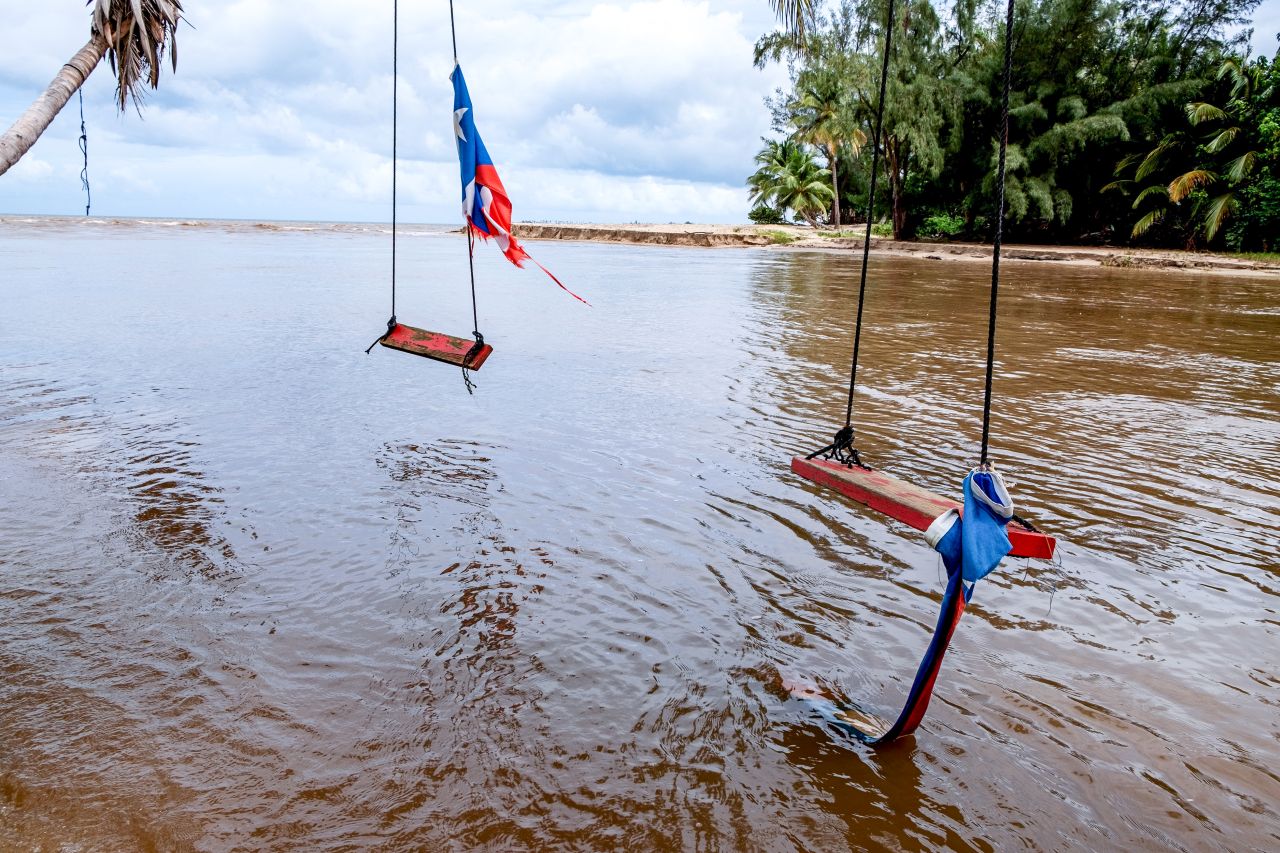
{"x": 471, "y": 264}
{"x": 478, "y": 346}
{"x": 84, "y": 149}
{"x": 395, "y": 137}
{"x": 453, "y": 32}
{"x": 472, "y": 353}
{"x": 395, "y": 110}
{"x": 1025, "y": 523}
{"x": 871, "y": 206}
{"x": 475, "y": 315}
{"x": 391, "y": 327}
{"x": 995, "y": 251}
{"x": 841, "y": 449}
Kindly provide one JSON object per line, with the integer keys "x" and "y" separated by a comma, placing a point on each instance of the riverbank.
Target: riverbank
{"x": 799, "y": 237}
{"x": 781, "y": 237}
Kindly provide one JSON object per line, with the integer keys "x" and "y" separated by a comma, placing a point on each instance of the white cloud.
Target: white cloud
{"x": 608, "y": 111}
{"x": 30, "y": 169}
{"x": 554, "y": 194}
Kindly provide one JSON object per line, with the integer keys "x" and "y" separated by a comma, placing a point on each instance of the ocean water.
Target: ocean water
{"x": 259, "y": 590}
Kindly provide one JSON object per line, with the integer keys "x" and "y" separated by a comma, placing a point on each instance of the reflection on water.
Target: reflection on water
{"x": 258, "y": 590}
{"x": 144, "y": 460}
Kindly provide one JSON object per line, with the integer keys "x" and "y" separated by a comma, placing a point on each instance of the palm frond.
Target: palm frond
{"x": 795, "y": 15}
{"x": 1183, "y": 185}
{"x": 1199, "y": 112}
{"x": 1222, "y": 140}
{"x": 1128, "y": 161}
{"x": 1239, "y": 168}
{"x": 1143, "y": 225}
{"x": 1152, "y": 161}
{"x": 1219, "y": 209}
{"x": 1155, "y": 189}
{"x": 1231, "y": 68}
{"x": 137, "y": 34}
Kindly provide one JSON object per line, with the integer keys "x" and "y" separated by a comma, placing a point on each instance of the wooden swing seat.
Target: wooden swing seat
{"x": 908, "y": 503}
{"x": 435, "y": 345}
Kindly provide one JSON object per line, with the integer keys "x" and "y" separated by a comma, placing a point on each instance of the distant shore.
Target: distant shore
{"x": 797, "y": 237}
{"x": 779, "y": 237}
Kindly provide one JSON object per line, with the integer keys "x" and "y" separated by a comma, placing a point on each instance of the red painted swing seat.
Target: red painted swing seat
{"x": 436, "y": 345}
{"x": 908, "y": 503}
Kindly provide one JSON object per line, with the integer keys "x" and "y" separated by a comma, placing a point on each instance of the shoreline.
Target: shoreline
{"x": 791, "y": 238}
{"x": 773, "y": 237}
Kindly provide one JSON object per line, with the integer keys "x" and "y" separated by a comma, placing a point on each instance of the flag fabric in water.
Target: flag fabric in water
{"x": 976, "y": 543}
{"x": 971, "y": 547}
{"x": 485, "y": 202}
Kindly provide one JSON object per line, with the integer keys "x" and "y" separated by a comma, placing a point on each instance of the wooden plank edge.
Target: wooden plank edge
{"x": 1026, "y": 543}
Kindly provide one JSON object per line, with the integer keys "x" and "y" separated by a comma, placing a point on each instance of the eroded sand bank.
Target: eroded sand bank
{"x": 790, "y": 237}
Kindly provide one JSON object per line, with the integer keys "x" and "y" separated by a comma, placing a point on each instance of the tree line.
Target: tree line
{"x": 1131, "y": 121}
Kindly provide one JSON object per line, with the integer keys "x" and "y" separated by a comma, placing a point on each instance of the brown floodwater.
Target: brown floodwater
{"x": 260, "y": 591}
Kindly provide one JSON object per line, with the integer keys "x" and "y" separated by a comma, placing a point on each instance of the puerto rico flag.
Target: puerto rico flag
{"x": 484, "y": 200}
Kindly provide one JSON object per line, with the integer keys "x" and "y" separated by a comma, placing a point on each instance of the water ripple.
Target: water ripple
{"x": 261, "y": 591}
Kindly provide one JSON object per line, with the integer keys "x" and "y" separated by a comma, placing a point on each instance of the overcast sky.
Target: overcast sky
{"x": 281, "y": 109}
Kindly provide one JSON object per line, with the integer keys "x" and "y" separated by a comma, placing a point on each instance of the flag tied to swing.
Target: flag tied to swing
{"x": 484, "y": 200}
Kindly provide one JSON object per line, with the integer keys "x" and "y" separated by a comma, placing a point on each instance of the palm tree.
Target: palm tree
{"x": 133, "y": 35}
{"x": 1175, "y": 146}
{"x": 788, "y": 179}
{"x": 1230, "y": 136}
{"x": 1227, "y": 121}
{"x": 820, "y": 116}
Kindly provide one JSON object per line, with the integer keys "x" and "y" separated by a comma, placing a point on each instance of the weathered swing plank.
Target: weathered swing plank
{"x": 907, "y": 502}
{"x": 436, "y": 345}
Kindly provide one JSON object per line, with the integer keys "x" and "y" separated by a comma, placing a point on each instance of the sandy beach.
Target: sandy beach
{"x": 792, "y": 237}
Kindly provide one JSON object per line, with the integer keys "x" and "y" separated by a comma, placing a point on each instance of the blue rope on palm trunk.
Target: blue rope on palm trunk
{"x": 84, "y": 149}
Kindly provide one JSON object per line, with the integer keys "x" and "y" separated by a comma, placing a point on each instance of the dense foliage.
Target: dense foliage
{"x": 1130, "y": 120}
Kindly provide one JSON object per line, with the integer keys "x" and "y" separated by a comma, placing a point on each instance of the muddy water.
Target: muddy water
{"x": 260, "y": 591}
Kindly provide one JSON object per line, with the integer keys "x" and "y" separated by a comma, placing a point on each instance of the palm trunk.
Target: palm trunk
{"x": 18, "y": 139}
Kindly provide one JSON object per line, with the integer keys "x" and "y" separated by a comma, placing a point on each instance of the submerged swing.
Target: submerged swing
{"x": 972, "y": 536}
